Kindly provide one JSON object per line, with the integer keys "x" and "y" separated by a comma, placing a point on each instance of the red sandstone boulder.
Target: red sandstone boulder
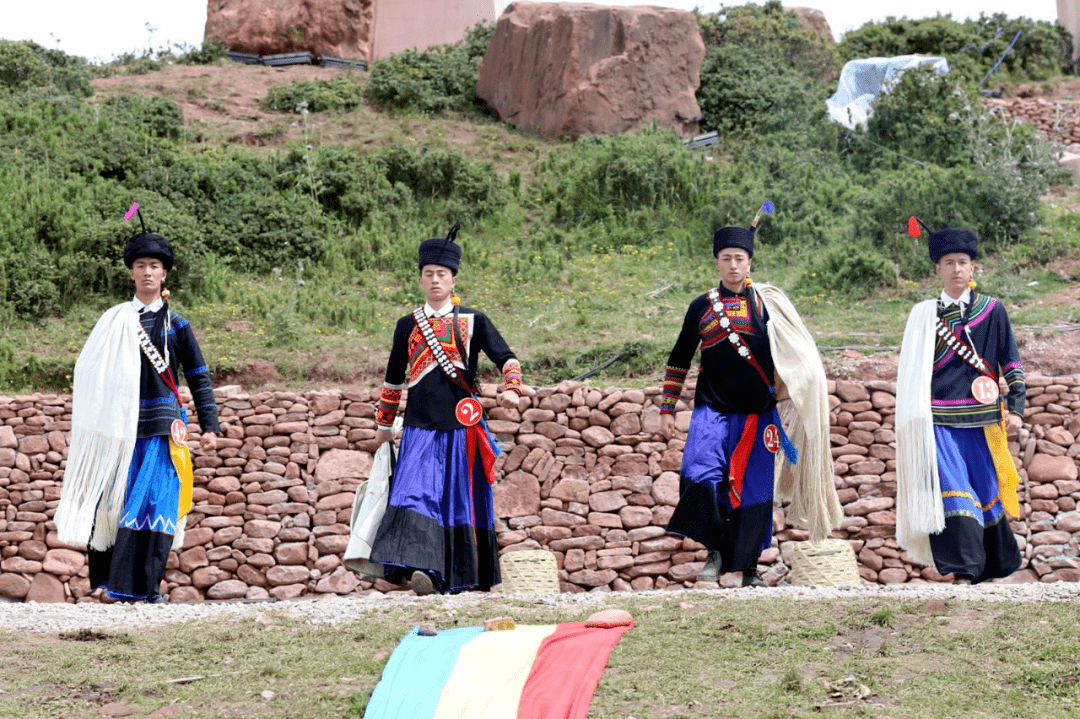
{"x": 814, "y": 21}
{"x": 342, "y": 28}
{"x": 340, "y": 583}
{"x": 1045, "y": 468}
{"x": 517, "y": 495}
{"x": 228, "y": 589}
{"x": 63, "y": 562}
{"x": 8, "y": 440}
{"x": 45, "y": 588}
{"x": 571, "y": 70}
{"x": 339, "y": 463}
{"x": 14, "y": 585}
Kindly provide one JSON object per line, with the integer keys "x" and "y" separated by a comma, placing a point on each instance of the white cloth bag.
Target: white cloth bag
{"x": 369, "y": 506}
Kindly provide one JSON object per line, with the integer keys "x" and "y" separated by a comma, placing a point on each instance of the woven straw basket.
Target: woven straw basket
{"x": 529, "y": 571}
{"x": 825, "y": 563}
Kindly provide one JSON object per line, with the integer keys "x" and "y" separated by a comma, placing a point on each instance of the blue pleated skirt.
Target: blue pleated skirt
{"x": 704, "y": 512}
{"x": 133, "y": 567}
{"x": 439, "y": 517}
{"x": 977, "y": 542}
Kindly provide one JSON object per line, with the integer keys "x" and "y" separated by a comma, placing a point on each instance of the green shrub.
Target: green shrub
{"x": 755, "y": 90}
{"x": 599, "y": 178}
{"x": 972, "y": 46}
{"x": 776, "y": 28}
{"x": 159, "y": 116}
{"x": 27, "y": 66}
{"x": 341, "y": 93}
{"x": 921, "y": 116}
{"x": 847, "y": 272}
{"x": 432, "y": 81}
{"x": 206, "y": 54}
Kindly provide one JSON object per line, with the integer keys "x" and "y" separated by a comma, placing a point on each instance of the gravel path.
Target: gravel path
{"x": 341, "y": 610}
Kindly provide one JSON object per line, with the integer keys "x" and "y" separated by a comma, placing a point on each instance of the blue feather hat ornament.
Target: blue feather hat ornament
{"x": 767, "y": 208}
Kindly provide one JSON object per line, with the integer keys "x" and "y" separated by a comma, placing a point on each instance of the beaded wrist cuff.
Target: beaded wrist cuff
{"x": 389, "y": 401}
{"x": 674, "y": 378}
{"x": 512, "y": 375}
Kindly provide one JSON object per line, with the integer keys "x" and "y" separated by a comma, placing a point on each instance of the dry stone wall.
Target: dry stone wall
{"x": 586, "y": 474}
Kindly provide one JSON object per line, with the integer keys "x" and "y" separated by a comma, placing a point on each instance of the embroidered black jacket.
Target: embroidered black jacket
{"x": 727, "y": 382}
{"x": 432, "y": 396}
{"x": 984, "y": 326}
{"x": 157, "y": 404}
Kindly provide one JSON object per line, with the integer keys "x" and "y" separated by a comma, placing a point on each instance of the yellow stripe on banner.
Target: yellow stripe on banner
{"x": 1008, "y": 477}
{"x": 490, "y": 674}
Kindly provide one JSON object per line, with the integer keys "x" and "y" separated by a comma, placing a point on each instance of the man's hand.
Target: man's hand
{"x": 383, "y": 435}
{"x": 667, "y": 425}
{"x": 208, "y": 443}
{"x": 509, "y": 399}
{"x": 1013, "y": 422}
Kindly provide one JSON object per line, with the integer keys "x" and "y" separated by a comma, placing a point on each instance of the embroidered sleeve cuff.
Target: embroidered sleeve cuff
{"x": 389, "y": 401}
{"x": 674, "y": 378}
{"x": 512, "y": 375}
{"x": 1014, "y": 373}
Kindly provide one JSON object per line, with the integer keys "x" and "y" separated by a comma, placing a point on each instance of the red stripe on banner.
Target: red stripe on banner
{"x": 567, "y": 670}
{"x": 740, "y": 458}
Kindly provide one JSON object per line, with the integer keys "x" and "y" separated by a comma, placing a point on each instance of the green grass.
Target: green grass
{"x": 690, "y": 655}
{"x": 563, "y": 319}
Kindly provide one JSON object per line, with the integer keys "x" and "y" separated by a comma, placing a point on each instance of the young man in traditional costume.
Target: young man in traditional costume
{"x": 122, "y": 493}
{"x": 955, "y": 477}
{"x": 752, "y": 343}
{"x": 438, "y": 532}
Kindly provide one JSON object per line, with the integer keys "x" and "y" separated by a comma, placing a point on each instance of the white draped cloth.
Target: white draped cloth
{"x": 809, "y": 483}
{"x": 104, "y": 425}
{"x": 919, "y": 511}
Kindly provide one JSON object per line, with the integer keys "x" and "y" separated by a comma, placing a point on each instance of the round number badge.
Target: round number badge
{"x": 178, "y": 433}
{"x": 985, "y": 390}
{"x": 468, "y": 411}
{"x": 771, "y": 438}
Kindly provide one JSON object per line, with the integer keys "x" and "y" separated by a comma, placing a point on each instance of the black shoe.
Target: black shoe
{"x": 711, "y": 571}
{"x": 750, "y": 578}
{"x": 156, "y": 598}
{"x": 421, "y": 583}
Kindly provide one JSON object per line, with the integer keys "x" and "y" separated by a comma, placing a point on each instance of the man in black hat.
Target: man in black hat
{"x": 438, "y": 532}
{"x": 956, "y": 480}
{"x": 730, "y": 456}
{"x": 127, "y": 486}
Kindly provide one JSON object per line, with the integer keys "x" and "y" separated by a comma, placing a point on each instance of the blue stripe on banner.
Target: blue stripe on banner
{"x": 157, "y": 400}
{"x": 198, "y": 370}
{"x": 413, "y": 679}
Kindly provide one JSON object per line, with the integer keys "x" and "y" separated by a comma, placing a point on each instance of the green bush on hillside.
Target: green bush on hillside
{"x": 432, "y": 81}
{"x": 26, "y": 66}
{"x": 996, "y": 171}
{"x": 206, "y": 54}
{"x": 972, "y": 46}
{"x": 340, "y": 93}
{"x": 771, "y": 26}
{"x": 755, "y": 90}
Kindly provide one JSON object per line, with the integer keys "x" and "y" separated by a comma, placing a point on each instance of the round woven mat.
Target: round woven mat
{"x": 529, "y": 571}
{"x": 825, "y": 563}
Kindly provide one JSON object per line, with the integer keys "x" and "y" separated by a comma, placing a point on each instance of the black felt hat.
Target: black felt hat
{"x": 739, "y": 237}
{"x": 953, "y": 239}
{"x": 945, "y": 239}
{"x": 148, "y": 244}
{"x": 443, "y": 251}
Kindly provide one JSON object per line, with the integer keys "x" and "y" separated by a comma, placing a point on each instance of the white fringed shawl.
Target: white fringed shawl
{"x": 809, "y": 483}
{"x": 104, "y": 424}
{"x": 919, "y": 512}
